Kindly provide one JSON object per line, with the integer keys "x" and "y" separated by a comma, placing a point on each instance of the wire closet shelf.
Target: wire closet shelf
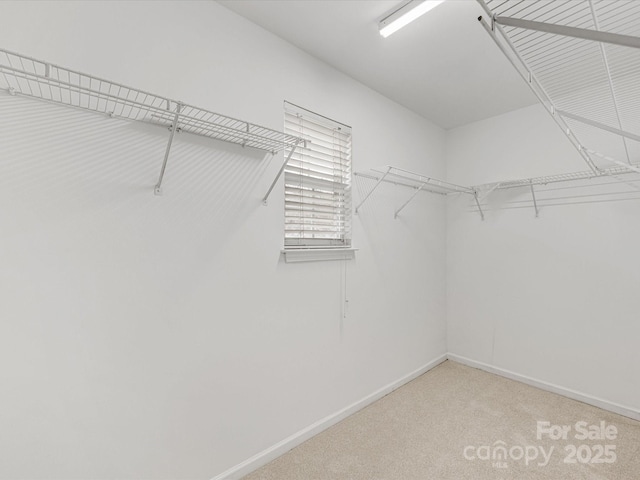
{"x": 582, "y": 60}
{"x": 38, "y": 79}
{"x": 415, "y": 181}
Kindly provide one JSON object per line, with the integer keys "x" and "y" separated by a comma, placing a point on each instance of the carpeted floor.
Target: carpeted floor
{"x": 456, "y": 422}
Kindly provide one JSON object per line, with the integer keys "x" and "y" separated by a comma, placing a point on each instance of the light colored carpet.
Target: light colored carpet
{"x": 421, "y": 430}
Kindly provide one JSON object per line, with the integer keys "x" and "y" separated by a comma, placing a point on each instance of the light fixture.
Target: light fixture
{"x": 405, "y": 15}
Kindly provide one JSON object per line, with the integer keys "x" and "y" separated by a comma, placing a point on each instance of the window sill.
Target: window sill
{"x": 318, "y": 254}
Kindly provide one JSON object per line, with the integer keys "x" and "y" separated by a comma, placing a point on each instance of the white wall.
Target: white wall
{"x": 554, "y": 298}
{"x": 164, "y": 337}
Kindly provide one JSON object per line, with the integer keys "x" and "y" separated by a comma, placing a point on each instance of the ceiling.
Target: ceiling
{"x": 443, "y": 66}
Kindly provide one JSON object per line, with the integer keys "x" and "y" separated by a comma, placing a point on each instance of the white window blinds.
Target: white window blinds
{"x": 317, "y": 203}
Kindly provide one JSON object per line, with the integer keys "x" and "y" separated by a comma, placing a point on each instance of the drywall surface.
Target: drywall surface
{"x": 553, "y": 298}
{"x": 156, "y": 337}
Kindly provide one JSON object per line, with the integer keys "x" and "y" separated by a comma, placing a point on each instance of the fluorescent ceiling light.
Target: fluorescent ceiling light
{"x": 405, "y": 15}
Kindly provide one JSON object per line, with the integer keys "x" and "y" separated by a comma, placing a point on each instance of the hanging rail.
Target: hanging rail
{"x": 34, "y": 78}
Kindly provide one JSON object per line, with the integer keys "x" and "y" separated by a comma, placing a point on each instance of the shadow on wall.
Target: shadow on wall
{"x": 416, "y": 229}
{"x": 67, "y": 164}
{"x": 80, "y": 210}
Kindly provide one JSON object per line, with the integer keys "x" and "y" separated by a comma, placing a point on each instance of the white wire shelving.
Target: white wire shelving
{"x": 26, "y": 76}
{"x": 417, "y": 182}
{"x": 543, "y": 191}
{"x": 547, "y": 190}
{"x": 582, "y": 61}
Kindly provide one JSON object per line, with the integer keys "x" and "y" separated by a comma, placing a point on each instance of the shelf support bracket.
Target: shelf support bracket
{"x": 583, "y": 33}
{"x": 533, "y": 195}
{"x": 158, "y": 188}
{"x": 380, "y": 180}
{"x": 282, "y": 167}
{"x": 395, "y": 215}
{"x": 475, "y": 196}
{"x": 602, "y": 126}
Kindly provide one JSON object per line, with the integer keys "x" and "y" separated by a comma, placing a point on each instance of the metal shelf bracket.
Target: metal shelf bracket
{"x": 533, "y": 196}
{"x": 380, "y": 180}
{"x": 418, "y": 190}
{"x": 174, "y": 127}
{"x": 282, "y": 167}
{"x": 475, "y": 196}
{"x": 583, "y": 33}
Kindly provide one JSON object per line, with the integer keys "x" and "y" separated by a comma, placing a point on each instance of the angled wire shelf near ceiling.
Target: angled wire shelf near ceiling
{"x": 415, "y": 181}
{"x": 34, "y": 78}
{"x": 582, "y": 60}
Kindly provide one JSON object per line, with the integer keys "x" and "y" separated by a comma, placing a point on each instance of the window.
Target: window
{"x": 317, "y": 179}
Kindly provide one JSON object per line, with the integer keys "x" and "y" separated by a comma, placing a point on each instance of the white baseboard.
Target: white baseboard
{"x": 550, "y": 387}
{"x": 305, "y": 434}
